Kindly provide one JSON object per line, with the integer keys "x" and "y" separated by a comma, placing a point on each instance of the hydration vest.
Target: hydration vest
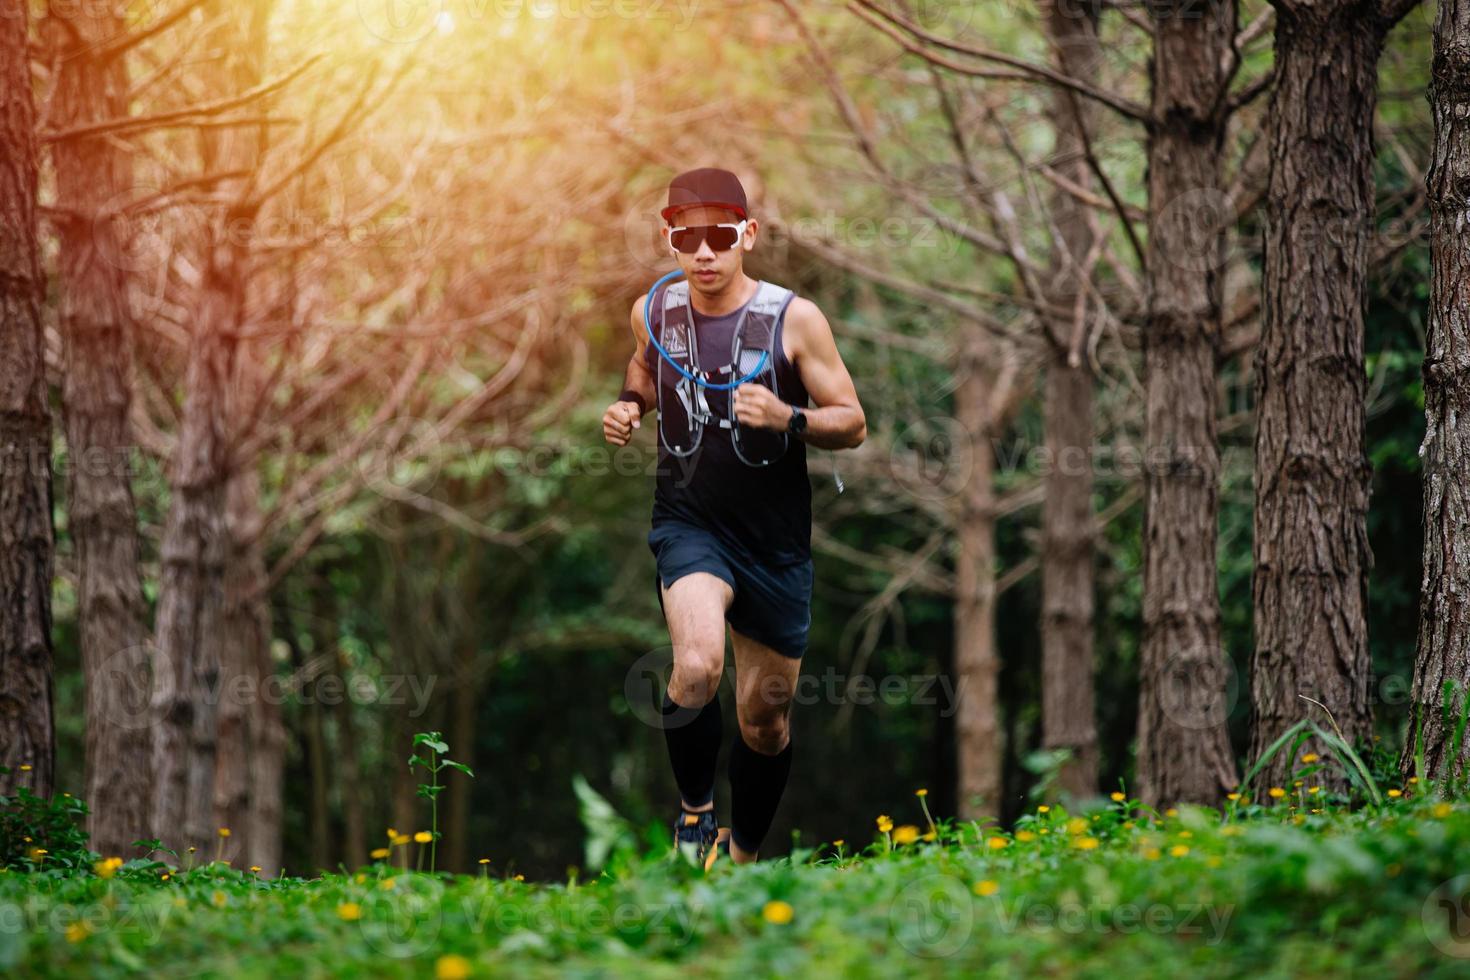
{"x": 684, "y": 406}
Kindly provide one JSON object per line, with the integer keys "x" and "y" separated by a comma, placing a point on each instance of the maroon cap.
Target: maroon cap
{"x": 707, "y": 186}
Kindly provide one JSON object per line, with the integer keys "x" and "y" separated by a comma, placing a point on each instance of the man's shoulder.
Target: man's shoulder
{"x": 802, "y": 319}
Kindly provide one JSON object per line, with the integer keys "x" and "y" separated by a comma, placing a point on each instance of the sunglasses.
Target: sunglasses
{"x": 687, "y": 239}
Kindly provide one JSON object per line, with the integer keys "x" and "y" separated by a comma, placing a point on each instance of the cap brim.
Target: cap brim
{"x": 673, "y": 209}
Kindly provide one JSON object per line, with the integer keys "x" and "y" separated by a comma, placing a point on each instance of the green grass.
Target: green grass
{"x": 1273, "y": 891}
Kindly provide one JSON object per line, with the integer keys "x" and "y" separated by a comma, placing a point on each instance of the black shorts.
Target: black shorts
{"x": 772, "y": 604}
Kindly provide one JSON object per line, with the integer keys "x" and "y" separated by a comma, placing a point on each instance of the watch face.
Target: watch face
{"x": 798, "y": 421}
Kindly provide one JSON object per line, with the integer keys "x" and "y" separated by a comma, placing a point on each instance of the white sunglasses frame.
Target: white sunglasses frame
{"x": 739, "y": 227}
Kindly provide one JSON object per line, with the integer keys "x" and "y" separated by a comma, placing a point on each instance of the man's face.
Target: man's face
{"x": 710, "y": 271}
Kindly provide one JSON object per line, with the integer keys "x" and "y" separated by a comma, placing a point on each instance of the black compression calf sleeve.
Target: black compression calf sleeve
{"x": 693, "y": 736}
{"x": 756, "y": 784}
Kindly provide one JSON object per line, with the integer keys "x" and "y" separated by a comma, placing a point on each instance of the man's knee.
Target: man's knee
{"x": 696, "y": 675}
{"x": 766, "y": 732}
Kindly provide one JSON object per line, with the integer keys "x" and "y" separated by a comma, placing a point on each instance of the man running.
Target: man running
{"x": 731, "y": 526}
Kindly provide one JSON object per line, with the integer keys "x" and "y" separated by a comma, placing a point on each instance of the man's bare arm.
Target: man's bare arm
{"x": 622, "y": 417}
{"x": 838, "y": 421}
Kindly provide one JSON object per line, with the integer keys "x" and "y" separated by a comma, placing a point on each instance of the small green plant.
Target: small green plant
{"x": 434, "y": 764}
{"x": 42, "y": 833}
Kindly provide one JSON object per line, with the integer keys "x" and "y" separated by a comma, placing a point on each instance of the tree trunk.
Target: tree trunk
{"x": 1444, "y": 610}
{"x": 196, "y": 535}
{"x": 27, "y": 734}
{"x": 976, "y": 665}
{"x": 1311, "y": 472}
{"x": 247, "y": 700}
{"x": 1183, "y": 752}
{"x": 463, "y": 709}
{"x": 1067, "y": 530}
{"x": 354, "y": 838}
{"x": 97, "y": 393}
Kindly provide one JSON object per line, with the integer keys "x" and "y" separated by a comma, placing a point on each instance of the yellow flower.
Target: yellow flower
{"x": 77, "y": 931}
{"x": 219, "y": 899}
{"x": 1152, "y": 853}
{"x": 1118, "y": 797}
{"x": 1313, "y": 790}
{"x": 921, "y": 792}
{"x": 38, "y": 853}
{"x": 778, "y": 912}
{"x": 1076, "y": 825}
{"x": 1277, "y": 792}
{"x": 400, "y": 839}
{"x": 885, "y": 824}
{"x": 838, "y": 842}
{"x": 163, "y": 877}
{"x": 452, "y": 967}
{"x": 1309, "y": 757}
{"x": 224, "y": 831}
{"x": 930, "y": 835}
{"x": 484, "y": 860}
{"x": 1178, "y": 850}
{"x": 1395, "y": 793}
{"x": 25, "y": 767}
{"x": 255, "y": 869}
{"x": 520, "y": 878}
{"x": 1232, "y": 796}
{"x": 387, "y": 884}
{"x": 986, "y": 887}
{"x": 392, "y": 833}
{"x": 906, "y": 834}
{"x": 107, "y": 868}
{"x": 1171, "y": 812}
{"x": 1296, "y": 783}
{"x": 1186, "y": 833}
{"x": 378, "y": 853}
{"x": 1085, "y": 843}
{"x": 997, "y": 843}
{"x": 1230, "y": 831}
{"x": 423, "y": 837}
{"x": 1025, "y": 836}
{"x": 1043, "y": 809}
{"x": 1413, "y": 779}
{"x": 349, "y": 911}
{"x": 359, "y": 878}
{"x": 1441, "y": 810}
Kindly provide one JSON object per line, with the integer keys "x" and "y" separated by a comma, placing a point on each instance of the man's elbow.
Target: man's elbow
{"x": 860, "y": 434}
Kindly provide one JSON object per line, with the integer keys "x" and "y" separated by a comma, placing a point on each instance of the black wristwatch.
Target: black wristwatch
{"x": 797, "y": 425}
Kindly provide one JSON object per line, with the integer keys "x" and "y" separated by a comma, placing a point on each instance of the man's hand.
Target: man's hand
{"x": 757, "y": 406}
{"x": 619, "y": 421}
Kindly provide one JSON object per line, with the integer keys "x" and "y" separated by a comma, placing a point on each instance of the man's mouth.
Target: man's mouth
{"x": 705, "y": 273}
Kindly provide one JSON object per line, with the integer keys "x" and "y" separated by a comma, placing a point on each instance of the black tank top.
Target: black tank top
{"x": 759, "y": 512}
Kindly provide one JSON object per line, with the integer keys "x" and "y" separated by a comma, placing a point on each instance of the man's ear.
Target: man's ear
{"x": 752, "y": 226}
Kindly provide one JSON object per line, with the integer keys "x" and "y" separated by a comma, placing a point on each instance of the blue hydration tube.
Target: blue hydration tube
{"x": 648, "y": 325}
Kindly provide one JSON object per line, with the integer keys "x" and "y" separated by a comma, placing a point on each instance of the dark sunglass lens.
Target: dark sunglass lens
{"x": 686, "y": 239}
{"x": 720, "y": 238}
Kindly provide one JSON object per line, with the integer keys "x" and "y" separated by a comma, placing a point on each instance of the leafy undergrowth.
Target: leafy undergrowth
{"x": 1281, "y": 890}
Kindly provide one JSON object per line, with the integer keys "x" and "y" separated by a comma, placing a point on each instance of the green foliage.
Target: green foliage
{"x": 1275, "y": 890}
{"x": 436, "y": 763}
{"x": 42, "y": 833}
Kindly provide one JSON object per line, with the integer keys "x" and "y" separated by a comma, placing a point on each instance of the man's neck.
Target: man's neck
{"x": 728, "y": 300}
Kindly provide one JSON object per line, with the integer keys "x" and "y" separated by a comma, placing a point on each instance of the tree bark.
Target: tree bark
{"x": 1183, "y": 751}
{"x": 1444, "y": 609}
{"x": 248, "y": 702}
{"x": 976, "y": 664}
{"x": 97, "y": 390}
{"x": 1067, "y": 530}
{"x": 27, "y": 733}
{"x": 196, "y": 536}
{"x": 1312, "y": 474}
